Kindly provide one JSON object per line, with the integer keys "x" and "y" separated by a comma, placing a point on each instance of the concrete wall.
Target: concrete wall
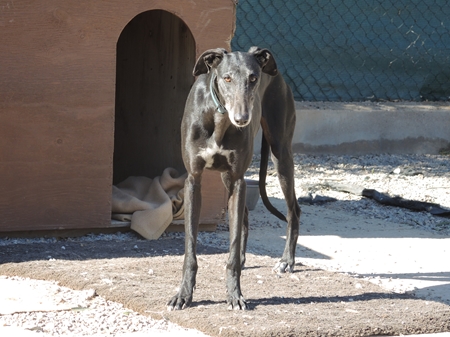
{"x": 370, "y": 127}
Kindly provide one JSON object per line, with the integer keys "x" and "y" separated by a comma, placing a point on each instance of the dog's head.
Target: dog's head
{"x": 236, "y": 78}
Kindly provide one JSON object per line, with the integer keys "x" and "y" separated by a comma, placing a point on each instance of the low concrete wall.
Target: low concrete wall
{"x": 370, "y": 127}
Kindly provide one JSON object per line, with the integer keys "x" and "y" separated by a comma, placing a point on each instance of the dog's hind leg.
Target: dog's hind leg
{"x": 284, "y": 164}
{"x": 279, "y": 137}
{"x": 278, "y": 125}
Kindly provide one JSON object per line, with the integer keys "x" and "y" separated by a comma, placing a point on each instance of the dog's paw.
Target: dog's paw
{"x": 283, "y": 267}
{"x": 237, "y": 303}
{"x": 242, "y": 262}
{"x": 179, "y": 302}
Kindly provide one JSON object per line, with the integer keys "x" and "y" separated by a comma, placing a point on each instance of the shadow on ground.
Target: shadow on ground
{"x": 143, "y": 275}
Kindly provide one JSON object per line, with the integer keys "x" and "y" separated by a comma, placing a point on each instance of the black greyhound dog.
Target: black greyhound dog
{"x": 233, "y": 95}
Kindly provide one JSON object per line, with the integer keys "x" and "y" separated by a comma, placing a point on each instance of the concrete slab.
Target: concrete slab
{"x": 17, "y": 296}
{"x": 395, "y": 256}
{"x": 370, "y": 127}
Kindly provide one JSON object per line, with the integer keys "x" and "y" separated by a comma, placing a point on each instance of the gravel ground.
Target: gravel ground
{"x": 89, "y": 315}
{"x": 423, "y": 178}
{"x": 84, "y": 313}
{"x": 416, "y": 177}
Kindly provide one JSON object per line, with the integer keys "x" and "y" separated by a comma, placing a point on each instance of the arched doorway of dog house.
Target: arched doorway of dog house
{"x": 155, "y": 58}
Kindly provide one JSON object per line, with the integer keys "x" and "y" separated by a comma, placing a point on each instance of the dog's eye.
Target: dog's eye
{"x": 253, "y": 78}
{"x": 227, "y": 79}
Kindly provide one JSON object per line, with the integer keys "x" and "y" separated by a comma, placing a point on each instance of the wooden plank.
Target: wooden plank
{"x": 57, "y": 98}
{"x": 52, "y": 174}
{"x": 175, "y": 226}
{"x": 214, "y": 198}
{"x": 203, "y": 227}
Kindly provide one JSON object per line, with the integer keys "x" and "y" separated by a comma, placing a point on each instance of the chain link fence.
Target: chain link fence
{"x": 353, "y": 50}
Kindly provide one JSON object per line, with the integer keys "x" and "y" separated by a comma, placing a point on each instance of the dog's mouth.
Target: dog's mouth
{"x": 239, "y": 120}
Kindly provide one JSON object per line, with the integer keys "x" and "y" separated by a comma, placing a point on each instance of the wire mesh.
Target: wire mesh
{"x": 353, "y": 50}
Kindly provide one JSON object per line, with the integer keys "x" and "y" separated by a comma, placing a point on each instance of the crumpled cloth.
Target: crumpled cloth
{"x": 150, "y": 204}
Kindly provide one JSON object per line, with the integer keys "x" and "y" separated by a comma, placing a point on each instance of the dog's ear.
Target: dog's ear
{"x": 207, "y": 60}
{"x": 265, "y": 60}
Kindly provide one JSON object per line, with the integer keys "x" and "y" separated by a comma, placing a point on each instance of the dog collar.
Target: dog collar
{"x": 219, "y": 107}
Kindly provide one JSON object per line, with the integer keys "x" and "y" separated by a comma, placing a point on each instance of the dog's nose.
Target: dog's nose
{"x": 241, "y": 120}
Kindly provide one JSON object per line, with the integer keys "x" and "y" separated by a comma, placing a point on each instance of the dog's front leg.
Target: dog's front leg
{"x": 236, "y": 208}
{"x": 192, "y": 190}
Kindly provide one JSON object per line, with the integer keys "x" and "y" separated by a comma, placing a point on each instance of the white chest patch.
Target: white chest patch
{"x": 208, "y": 154}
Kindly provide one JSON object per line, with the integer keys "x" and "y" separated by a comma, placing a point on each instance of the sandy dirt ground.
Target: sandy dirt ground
{"x": 361, "y": 268}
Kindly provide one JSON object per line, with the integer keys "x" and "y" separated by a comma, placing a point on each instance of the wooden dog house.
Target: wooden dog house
{"x": 92, "y": 92}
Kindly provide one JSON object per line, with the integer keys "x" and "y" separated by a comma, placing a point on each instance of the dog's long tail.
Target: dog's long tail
{"x": 262, "y": 179}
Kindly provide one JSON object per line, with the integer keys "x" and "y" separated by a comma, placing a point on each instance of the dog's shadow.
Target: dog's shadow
{"x": 255, "y": 303}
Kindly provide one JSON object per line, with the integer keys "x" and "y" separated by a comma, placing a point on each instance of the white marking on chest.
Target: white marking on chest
{"x": 208, "y": 154}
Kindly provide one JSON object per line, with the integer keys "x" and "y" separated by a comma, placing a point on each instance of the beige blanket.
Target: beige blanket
{"x": 150, "y": 204}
